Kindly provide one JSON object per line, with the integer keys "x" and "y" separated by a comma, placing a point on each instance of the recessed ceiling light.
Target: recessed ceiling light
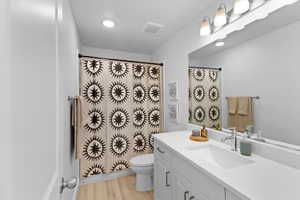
{"x": 220, "y": 44}
{"x": 108, "y": 23}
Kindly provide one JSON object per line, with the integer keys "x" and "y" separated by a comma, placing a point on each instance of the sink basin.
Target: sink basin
{"x": 218, "y": 157}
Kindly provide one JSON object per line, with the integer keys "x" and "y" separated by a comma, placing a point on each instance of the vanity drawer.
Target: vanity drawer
{"x": 201, "y": 183}
{"x": 161, "y": 152}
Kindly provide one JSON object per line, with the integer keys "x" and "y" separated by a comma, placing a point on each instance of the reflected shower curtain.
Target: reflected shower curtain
{"x": 204, "y": 97}
{"x": 121, "y": 112}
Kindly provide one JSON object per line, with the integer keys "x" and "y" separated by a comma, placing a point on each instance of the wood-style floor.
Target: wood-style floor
{"x": 116, "y": 189}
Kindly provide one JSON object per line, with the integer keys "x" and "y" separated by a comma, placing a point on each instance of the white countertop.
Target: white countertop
{"x": 261, "y": 180}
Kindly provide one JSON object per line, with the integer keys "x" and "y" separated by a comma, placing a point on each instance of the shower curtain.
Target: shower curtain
{"x": 121, "y": 112}
{"x": 204, "y": 97}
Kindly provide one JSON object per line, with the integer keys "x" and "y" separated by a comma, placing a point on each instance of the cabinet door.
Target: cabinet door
{"x": 162, "y": 181}
{"x": 202, "y": 186}
{"x": 181, "y": 189}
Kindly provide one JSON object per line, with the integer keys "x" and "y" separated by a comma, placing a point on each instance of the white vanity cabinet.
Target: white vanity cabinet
{"x": 177, "y": 179}
{"x": 162, "y": 173}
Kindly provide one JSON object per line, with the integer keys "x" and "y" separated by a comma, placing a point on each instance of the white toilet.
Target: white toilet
{"x": 143, "y": 167}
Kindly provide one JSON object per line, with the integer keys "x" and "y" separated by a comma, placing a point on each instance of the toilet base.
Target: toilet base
{"x": 144, "y": 182}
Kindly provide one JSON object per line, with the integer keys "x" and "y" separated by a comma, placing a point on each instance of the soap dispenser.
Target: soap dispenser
{"x": 245, "y": 146}
{"x": 204, "y": 132}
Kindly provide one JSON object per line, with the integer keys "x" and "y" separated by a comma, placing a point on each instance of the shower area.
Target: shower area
{"x": 120, "y": 110}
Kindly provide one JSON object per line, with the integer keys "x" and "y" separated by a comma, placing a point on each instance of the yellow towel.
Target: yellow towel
{"x": 77, "y": 123}
{"x": 243, "y": 105}
{"x": 232, "y": 104}
{"x": 232, "y": 114}
{"x": 232, "y": 120}
{"x": 245, "y": 113}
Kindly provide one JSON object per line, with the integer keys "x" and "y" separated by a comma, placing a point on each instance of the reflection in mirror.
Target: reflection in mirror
{"x": 204, "y": 96}
{"x": 257, "y": 90}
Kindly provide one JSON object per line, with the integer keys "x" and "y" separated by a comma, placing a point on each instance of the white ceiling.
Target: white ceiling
{"x": 131, "y": 17}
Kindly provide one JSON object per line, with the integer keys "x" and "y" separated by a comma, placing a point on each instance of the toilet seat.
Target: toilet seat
{"x": 142, "y": 160}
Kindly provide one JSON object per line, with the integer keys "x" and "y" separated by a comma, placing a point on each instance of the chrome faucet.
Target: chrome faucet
{"x": 233, "y": 137}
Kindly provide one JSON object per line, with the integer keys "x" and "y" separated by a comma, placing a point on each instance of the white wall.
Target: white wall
{"x": 268, "y": 67}
{"x": 174, "y": 55}
{"x": 108, "y": 53}
{"x": 6, "y": 187}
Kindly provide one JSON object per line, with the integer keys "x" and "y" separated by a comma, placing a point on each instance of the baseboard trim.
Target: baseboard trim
{"x": 104, "y": 177}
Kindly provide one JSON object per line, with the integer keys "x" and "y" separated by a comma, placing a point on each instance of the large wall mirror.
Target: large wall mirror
{"x": 251, "y": 79}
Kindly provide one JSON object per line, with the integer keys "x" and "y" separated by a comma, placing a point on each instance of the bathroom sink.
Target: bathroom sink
{"x": 218, "y": 157}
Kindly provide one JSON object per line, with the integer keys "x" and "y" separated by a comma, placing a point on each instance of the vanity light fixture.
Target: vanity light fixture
{"x": 219, "y": 43}
{"x": 241, "y": 6}
{"x": 205, "y": 28}
{"x": 108, "y": 23}
{"x": 221, "y": 16}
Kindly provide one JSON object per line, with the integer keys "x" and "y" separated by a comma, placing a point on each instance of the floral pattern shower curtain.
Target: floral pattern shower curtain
{"x": 121, "y": 113}
{"x": 204, "y": 97}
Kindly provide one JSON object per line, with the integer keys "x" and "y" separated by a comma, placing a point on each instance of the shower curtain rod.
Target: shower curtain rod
{"x": 220, "y": 69}
{"x": 133, "y": 61}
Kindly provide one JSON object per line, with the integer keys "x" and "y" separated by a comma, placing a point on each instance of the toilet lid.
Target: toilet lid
{"x": 142, "y": 160}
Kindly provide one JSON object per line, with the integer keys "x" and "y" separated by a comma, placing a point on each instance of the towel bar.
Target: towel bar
{"x": 257, "y": 97}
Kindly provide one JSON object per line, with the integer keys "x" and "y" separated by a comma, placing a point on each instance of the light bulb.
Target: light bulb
{"x": 221, "y": 16}
{"x": 108, "y": 23}
{"x": 205, "y": 28}
{"x": 241, "y": 6}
